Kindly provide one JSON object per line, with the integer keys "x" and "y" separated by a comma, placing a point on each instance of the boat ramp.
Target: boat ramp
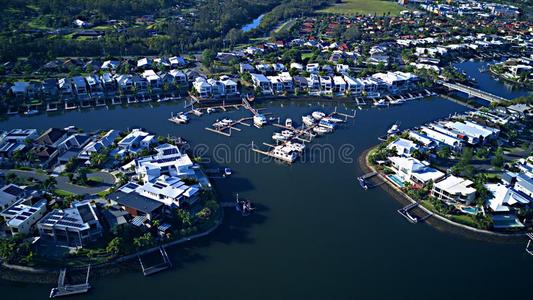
{"x": 63, "y": 289}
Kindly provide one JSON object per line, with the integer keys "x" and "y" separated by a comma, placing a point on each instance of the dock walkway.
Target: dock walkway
{"x": 63, "y": 289}
{"x": 147, "y": 271}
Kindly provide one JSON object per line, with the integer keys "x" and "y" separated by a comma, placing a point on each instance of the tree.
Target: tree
{"x": 444, "y": 152}
{"x": 498, "y": 159}
{"x": 49, "y": 183}
{"x": 115, "y": 246}
{"x": 184, "y": 217}
{"x": 208, "y": 57}
{"x": 144, "y": 241}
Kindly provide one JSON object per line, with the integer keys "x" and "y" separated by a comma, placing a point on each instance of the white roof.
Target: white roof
{"x": 456, "y": 185}
{"x": 503, "y": 197}
{"x": 338, "y": 80}
{"x": 403, "y": 144}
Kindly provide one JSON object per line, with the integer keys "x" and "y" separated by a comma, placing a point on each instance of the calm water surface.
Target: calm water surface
{"x": 316, "y": 234}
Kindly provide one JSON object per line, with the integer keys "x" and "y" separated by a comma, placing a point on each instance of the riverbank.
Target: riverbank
{"x": 437, "y": 221}
{"x": 48, "y": 275}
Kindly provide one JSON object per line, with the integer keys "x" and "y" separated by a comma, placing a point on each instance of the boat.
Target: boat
{"x": 318, "y": 115}
{"x": 380, "y": 103}
{"x": 227, "y": 172}
{"x": 260, "y": 120}
{"x": 333, "y": 120}
{"x": 288, "y": 122}
{"x": 320, "y": 130}
{"x": 308, "y": 120}
{"x": 226, "y": 122}
{"x": 278, "y": 137}
{"x": 326, "y": 124}
{"x": 394, "y": 129}
{"x": 31, "y": 112}
{"x": 284, "y": 153}
{"x": 243, "y": 206}
{"x": 219, "y": 124}
{"x": 287, "y": 133}
{"x": 296, "y": 146}
{"x": 210, "y": 110}
{"x": 396, "y": 102}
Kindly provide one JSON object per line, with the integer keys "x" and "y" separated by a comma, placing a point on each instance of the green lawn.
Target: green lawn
{"x": 63, "y": 193}
{"x": 364, "y": 7}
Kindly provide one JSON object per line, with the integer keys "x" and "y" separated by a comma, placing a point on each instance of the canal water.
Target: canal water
{"x": 488, "y": 82}
{"x": 316, "y": 234}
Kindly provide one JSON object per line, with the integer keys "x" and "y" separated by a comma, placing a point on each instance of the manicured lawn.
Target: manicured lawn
{"x": 464, "y": 219}
{"x": 364, "y": 7}
{"x": 63, "y": 193}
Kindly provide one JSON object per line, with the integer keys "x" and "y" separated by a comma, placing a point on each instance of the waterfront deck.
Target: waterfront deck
{"x": 528, "y": 246}
{"x": 166, "y": 264}
{"x": 408, "y": 213}
{"x": 63, "y": 289}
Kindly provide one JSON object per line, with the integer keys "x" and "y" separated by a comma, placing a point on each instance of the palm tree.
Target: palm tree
{"x": 50, "y": 183}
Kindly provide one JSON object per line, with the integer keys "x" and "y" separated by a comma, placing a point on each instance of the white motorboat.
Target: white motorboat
{"x": 288, "y": 122}
{"x": 284, "y": 153}
{"x": 333, "y": 120}
{"x": 183, "y": 117}
{"x": 260, "y": 120}
{"x": 210, "y": 110}
{"x": 320, "y": 130}
{"x": 296, "y": 146}
{"x": 318, "y": 115}
{"x": 394, "y": 129}
{"x": 278, "y": 137}
{"x": 31, "y": 112}
{"x": 396, "y": 102}
{"x": 219, "y": 124}
{"x": 287, "y": 133}
{"x": 227, "y": 172}
{"x": 380, "y": 103}
{"x": 308, "y": 120}
{"x": 326, "y": 124}
{"x": 226, "y": 121}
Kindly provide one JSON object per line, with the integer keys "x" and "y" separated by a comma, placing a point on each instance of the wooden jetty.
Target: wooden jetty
{"x": 528, "y": 246}
{"x": 226, "y": 129}
{"x": 147, "y": 271}
{"x": 404, "y": 211}
{"x": 63, "y": 289}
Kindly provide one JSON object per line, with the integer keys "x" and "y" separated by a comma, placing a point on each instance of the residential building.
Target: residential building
{"x": 202, "y": 87}
{"x": 454, "y": 190}
{"x": 505, "y": 199}
{"x": 167, "y": 161}
{"x": 414, "y": 171}
{"x": 524, "y": 184}
{"x": 9, "y": 194}
{"x": 21, "y": 218}
{"x": 137, "y": 140}
{"x": 261, "y": 83}
{"x": 403, "y": 147}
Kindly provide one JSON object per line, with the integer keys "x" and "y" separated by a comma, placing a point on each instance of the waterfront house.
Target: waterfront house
{"x": 287, "y": 81}
{"x": 300, "y": 82}
{"x": 135, "y": 204}
{"x": 154, "y": 80}
{"x": 414, "y": 171}
{"x": 261, "y": 83}
{"x": 9, "y": 194}
{"x": 140, "y": 83}
{"x": 80, "y": 87}
{"x": 276, "y": 84}
{"x": 95, "y": 86}
{"x": 369, "y": 86}
{"x": 454, "y": 133}
{"x": 326, "y": 84}
{"x": 137, "y": 140}
{"x": 20, "y": 89}
{"x": 352, "y": 85}
{"x": 403, "y": 147}
{"x": 75, "y": 226}
{"x": 125, "y": 83}
{"x": 202, "y": 87}
{"x": 453, "y": 142}
{"x": 454, "y": 190}
{"x": 19, "y": 135}
{"x": 50, "y": 90}
{"x": 218, "y": 88}
{"x": 75, "y": 141}
{"x": 339, "y": 85}
{"x": 110, "y": 65}
{"x": 108, "y": 83}
{"x": 177, "y": 61}
{"x": 473, "y": 131}
{"x": 230, "y": 86}
{"x": 52, "y": 137}
{"x": 422, "y": 139}
{"x": 168, "y": 160}
{"x": 21, "y": 218}
{"x": 313, "y": 83}
{"x": 65, "y": 89}
{"x": 524, "y": 184}
{"x": 396, "y": 81}
{"x": 179, "y": 77}
{"x": 505, "y": 199}
{"x": 145, "y": 63}
{"x": 170, "y": 191}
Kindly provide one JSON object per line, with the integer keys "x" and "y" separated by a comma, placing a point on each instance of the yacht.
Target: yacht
{"x": 260, "y": 120}
{"x": 380, "y": 103}
{"x": 308, "y": 120}
{"x": 219, "y": 124}
{"x": 210, "y": 110}
{"x": 227, "y": 172}
{"x": 333, "y": 120}
{"x": 31, "y": 112}
{"x": 284, "y": 153}
{"x": 287, "y": 133}
{"x": 318, "y": 115}
{"x": 326, "y": 124}
{"x": 226, "y": 121}
{"x": 320, "y": 130}
{"x": 299, "y": 147}
{"x": 394, "y": 129}
{"x": 278, "y": 137}
{"x": 183, "y": 117}
{"x": 288, "y": 122}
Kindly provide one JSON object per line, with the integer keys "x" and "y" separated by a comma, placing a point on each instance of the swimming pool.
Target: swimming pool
{"x": 396, "y": 180}
{"x": 506, "y": 221}
{"x": 469, "y": 210}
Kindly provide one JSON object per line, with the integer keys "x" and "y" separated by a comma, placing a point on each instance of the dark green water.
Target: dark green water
{"x": 316, "y": 234}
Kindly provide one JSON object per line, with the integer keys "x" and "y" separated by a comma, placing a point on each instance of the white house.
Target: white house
{"x": 179, "y": 77}
{"x": 286, "y": 79}
{"x": 313, "y": 83}
{"x": 454, "y": 189}
{"x": 411, "y": 170}
{"x": 353, "y": 86}
{"x": 217, "y": 88}
{"x": 313, "y": 68}
{"x": 230, "y": 86}
{"x": 524, "y": 184}
{"x": 341, "y": 68}
{"x": 326, "y": 84}
{"x": 403, "y": 147}
{"x": 202, "y": 87}
{"x": 137, "y": 140}
{"x": 276, "y": 83}
{"x": 453, "y": 142}
{"x": 21, "y": 218}
{"x": 262, "y": 83}
{"x": 339, "y": 85}
{"x": 167, "y": 161}
{"x": 504, "y": 198}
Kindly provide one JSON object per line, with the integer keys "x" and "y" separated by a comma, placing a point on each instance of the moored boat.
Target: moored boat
{"x": 308, "y": 120}
{"x": 317, "y": 115}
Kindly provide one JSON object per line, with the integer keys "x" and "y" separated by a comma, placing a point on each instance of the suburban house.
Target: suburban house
{"x": 411, "y": 170}
{"x": 154, "y": 80}
{"x": 450, "y": 141}
{"x": 313, "y": 83}
{"x": 403, "y": 147}
{"x": 202, "y": 87}
{"x": 95, "y": 87}
{"x": 75, "y": 226}
{"x": 135, "y": 204}
{"x": 230, "y": 86}
{"x": 170, "y": 191}
{"x": 21, "y": 218}
{"x": 339, "y": 85}
{"x": 524, "y": 184}
{"x": 97, "y": 146}
{"x": 217, "y": 88}
{"x": 80, "y": 87}
{"x": 168, "y": 161}
{"x": 353, "y": 85}
{"x": 261, "y": 83}
{"x": 137, "y": 140}
{"x": 125, "y": 82}
{"x": 326, "y": 84}
{"x": 179, "y": 77}
{"x": 9, "y": 194}
{"x": 454, "y": 189}
{"x": 505, "y": 199}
